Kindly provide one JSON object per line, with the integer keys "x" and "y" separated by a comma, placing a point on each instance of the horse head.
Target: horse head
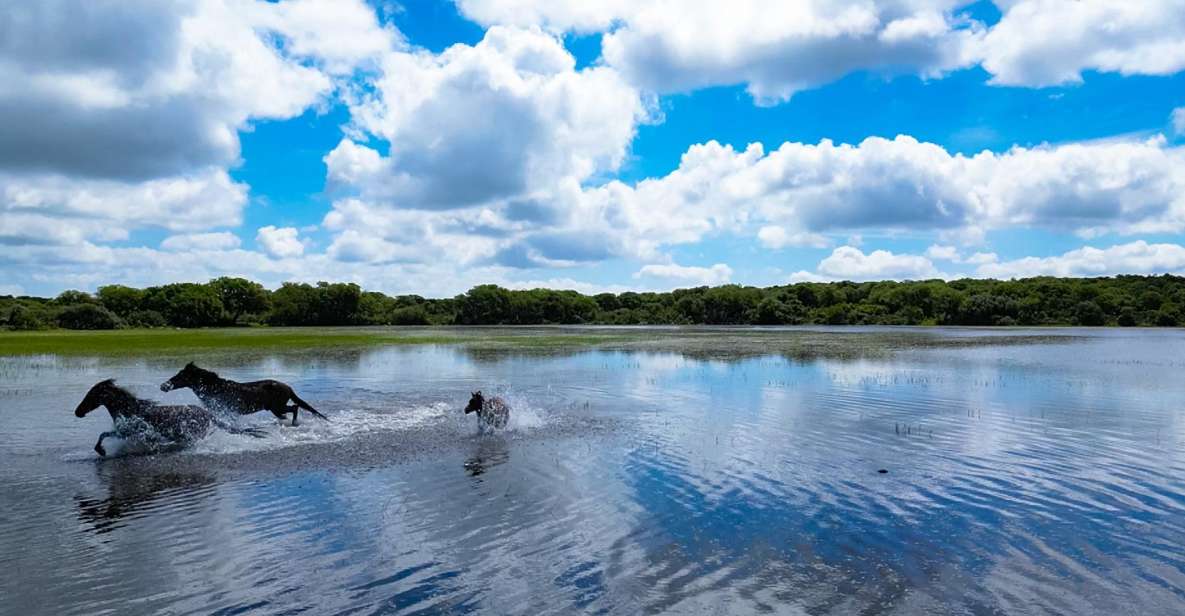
{"x": 189, "y": 376}
{"x": 476, "y": 402}
{"x": 99, "y": 395}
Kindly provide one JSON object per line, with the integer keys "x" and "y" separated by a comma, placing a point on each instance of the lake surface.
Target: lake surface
{"x": 733, "y": 471}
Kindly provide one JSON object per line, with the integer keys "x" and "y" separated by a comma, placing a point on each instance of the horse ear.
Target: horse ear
{"x": 190, "y": 365}
{"x": 107, "y": 382}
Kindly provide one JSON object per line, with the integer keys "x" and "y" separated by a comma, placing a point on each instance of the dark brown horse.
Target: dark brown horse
{"x": 180, "y": 424}
{"x": 491, "y": 412}
{"x": 243, "y": 398}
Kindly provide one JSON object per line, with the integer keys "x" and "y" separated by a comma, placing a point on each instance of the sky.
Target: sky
{"x": 427, "y": 146}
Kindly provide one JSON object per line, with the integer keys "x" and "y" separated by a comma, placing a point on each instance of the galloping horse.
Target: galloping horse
{"x": 493, "y": 413}
{"x": 180, "y": 424}
{"x": 243, "y": 398}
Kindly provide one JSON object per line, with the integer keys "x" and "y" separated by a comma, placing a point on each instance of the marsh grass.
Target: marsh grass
{"x": 725, "y": 343}
{"x": 167, "y": 341}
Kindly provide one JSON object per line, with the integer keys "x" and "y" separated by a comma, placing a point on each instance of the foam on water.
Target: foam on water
{"x": 342, "y": 425}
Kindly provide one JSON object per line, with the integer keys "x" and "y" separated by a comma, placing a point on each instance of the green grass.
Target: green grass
{"x": 171, "y": 341}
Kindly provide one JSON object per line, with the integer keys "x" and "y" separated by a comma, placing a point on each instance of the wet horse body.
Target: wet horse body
{"x": 177, "y": 423}
{"x": 242, "y": 398}
{"x": 491, "y": 412}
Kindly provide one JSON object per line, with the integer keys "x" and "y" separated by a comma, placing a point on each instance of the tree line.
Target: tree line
{"x": 227, "y": 301}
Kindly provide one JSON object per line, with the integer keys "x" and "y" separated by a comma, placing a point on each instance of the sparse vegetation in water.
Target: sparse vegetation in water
{"x": 707, "y": 343}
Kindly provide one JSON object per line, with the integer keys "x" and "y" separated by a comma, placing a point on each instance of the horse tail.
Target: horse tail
{"x": 305, "y": 405}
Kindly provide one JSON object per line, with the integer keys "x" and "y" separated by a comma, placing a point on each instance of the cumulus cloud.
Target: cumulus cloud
{"x": 775, "y": 237}
{"x": 280, "y": 241}
{"x": 141, "y": 89}
{"x": 223, "y": 240}
{"x": 776, "y": 48}
{"x": 714, "y": 275}
{"x": 1050, "y": 42}
{"x": 52, "y": 208}
{"x": 950, "y": 253}
{"x": 1137, "y": 257}
{"x": 489, "y": 146}
{"x": 125, "y": 114}
{"x": 942, "y": 253}
{"x": 504, "y": 119}
{"x": 800, "y": 191}
{"x": 849, "y": 263}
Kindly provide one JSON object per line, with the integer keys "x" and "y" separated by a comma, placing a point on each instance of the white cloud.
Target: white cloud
{"x": 775, "y": 237}
{"x": 1137, "y": 257}
{"x": 1050, "y": 42}
{"x": 714, "y": 275}
{"x": 1179, "y": 120}
{"x": 982, "y": 258}
{"x": 943, "y": 253}
{"x": 950, "y": 253}
{"x": 489, "y": 147}
{"x": 223, "y": 240}
{"x": 340, "y": 36}
{"x": 52, "y": 208}
{"x": 774, "y": 47}
{"x": 901, "y": 184}
{"x": 143, "y": 89}
{"x": 125, "y": 115}
{"x": 849, "y": 263}
{"x": 280, "y": 241}
{"x": 777, "y": 48}
{"x": 507, "y": 118}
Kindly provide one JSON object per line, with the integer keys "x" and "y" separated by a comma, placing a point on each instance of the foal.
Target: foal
{"x": 243, "y": 398}
{"x": 493, "y": 413}
{"x": 181, "y": 424}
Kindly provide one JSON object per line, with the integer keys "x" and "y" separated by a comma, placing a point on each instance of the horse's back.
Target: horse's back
{"x": 497, "y": 412}
{"x": 179, "y": 421}
{"x": 269, "y": 387}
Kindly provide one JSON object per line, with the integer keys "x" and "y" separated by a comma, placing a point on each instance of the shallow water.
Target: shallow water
{"x": 1029, "y": 472}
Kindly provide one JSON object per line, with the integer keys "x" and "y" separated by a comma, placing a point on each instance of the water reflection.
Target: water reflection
{"x": 490, "y": 451}
{"x": 1029, "y": 473}
{"x": 133, "y": 490}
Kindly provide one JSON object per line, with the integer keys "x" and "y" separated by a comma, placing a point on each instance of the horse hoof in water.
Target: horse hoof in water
{"x": 99, "y": 449}
{"x": 491, "y": 412}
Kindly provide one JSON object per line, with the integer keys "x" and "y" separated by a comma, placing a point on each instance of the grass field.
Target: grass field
{"x": 803, "y": 343}
{"x": 166, "y": 341}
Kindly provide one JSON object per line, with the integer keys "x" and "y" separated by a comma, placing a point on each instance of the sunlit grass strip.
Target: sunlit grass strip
{"x": 164, "y": 341}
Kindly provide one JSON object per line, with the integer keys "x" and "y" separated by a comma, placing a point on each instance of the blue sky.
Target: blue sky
{"x": 428, "y": 146}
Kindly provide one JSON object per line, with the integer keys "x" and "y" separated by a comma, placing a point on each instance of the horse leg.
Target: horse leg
{"x": 99, "y": 449}
{"x": 295, "y": 409}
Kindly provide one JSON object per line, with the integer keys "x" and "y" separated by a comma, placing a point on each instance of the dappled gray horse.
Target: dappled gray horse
{"x": 179, "y": 424}
{"x": 491, "y": 412}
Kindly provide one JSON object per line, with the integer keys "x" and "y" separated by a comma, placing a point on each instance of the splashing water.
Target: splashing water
{"x": 342, "y": 425}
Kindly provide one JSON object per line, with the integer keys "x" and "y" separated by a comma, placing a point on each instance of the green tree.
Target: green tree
{"x": 486, "y": 304}
{"x": 185, "y": 304}
{"x": 240, "y": 296}
{"x": 120, "y": 299}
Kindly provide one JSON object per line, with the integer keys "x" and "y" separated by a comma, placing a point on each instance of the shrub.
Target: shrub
{"x": 146, "y": 318}
{"x": 87, "y": 316}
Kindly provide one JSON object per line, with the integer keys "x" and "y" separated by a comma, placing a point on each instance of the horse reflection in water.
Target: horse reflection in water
{"x": 489, "y": 452}
{"x": 134, "y": 488}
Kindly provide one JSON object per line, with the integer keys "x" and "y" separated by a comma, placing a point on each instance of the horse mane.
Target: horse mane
{"x": 110, "y": 384}
{"x": 202, "y": 372}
